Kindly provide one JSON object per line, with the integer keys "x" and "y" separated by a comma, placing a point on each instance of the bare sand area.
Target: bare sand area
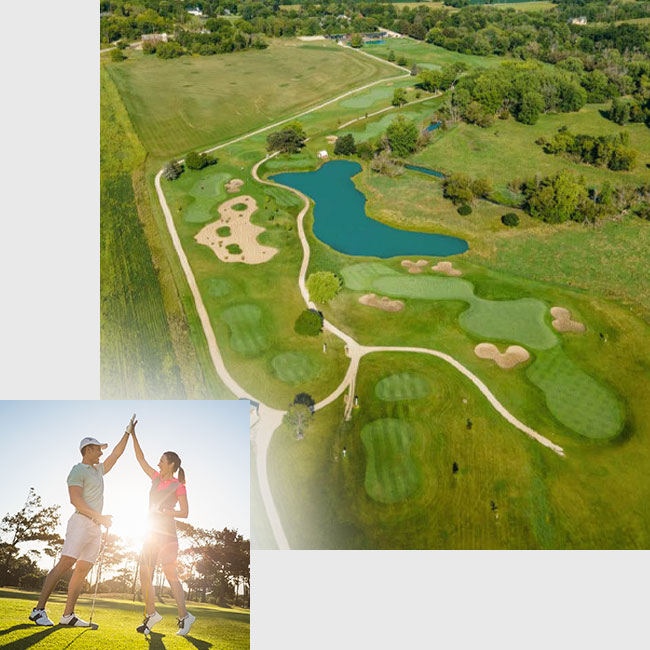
{"x": 414, "y": 267}
{"x": 242, "y": 232}
{"x": 513, "y": 355}
{"x": 447, "y": 268}
{"x": 562, "y": 321}
{"x": 234, "y": 185}
{"x": 384, "y": 302}
{"x": 332, "y": 138}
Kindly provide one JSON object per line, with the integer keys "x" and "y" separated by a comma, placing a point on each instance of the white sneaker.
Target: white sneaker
{"x": 39, "y": 617}
{"x": 184, "y": 624}
{"x": 71, "y": 620}
{"x": 149, "y": 621}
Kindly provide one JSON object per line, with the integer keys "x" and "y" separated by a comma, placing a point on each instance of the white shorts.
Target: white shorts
{"x": 82, "y": 538}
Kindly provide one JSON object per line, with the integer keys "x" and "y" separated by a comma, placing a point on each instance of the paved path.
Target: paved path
{"x": 270, "y": 418}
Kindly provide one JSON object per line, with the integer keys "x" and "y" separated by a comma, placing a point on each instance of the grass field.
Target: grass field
{"x": 428, "y": 55}
{"x": 403, "y": 385}
{"x": 542, "y": 5}
{"x": 195, "y": 102}
{"x": 480, "y": 151}
{"x": 215, "y": 627}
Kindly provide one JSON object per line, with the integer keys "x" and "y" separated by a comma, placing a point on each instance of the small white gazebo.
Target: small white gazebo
{"x": 323, "y": 154}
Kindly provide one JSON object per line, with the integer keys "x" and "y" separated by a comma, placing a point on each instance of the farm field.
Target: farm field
{"x": 192, "y": 102}
{"x": 542, "y": 5}
{"x": 118, "y": 617}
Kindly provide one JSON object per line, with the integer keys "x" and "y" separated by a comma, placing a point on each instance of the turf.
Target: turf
{"x": 176, "y": 105}
{"x": 294, "y": 367}
{"x": 519, "y": 321}
{"x": 247, "y": 333}
{"x": 576, "y": 399}
{"x": 219, "y": 287}
{"x": 205, "y": 195}
{"x": 401, "y": 386}
{"x": 391, "y": 474}
{"x": 215, "y": 627}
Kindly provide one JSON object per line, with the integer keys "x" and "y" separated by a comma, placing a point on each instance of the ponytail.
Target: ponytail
{"x": 173, "y": 458}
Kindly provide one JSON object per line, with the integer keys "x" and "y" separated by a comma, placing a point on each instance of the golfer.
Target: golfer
{"x": 84, "y": 531}
{"x": 162, "y": 543}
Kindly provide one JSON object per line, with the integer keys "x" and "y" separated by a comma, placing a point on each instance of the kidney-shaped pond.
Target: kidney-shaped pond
{"x": 340, "y": 219}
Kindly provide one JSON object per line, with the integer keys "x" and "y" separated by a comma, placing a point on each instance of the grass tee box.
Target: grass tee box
{"x": 198, "y": 101}
{"x": 215, "y": 627}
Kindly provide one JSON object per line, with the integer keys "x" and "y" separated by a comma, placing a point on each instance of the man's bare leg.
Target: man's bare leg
{"x": 76, "y": 583}
{"x": 66, "y": 562}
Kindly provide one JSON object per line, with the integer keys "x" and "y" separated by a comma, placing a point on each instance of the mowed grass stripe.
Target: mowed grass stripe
{"x": 294, "y": 367}
{"x": 391, "y": 473}
{"x": 137, "y": 357}
{"x": 574, "y": 398}
{"x": 402, "y": 386}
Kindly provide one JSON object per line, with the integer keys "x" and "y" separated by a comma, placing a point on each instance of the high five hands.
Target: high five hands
{"x": 130, "y": 429}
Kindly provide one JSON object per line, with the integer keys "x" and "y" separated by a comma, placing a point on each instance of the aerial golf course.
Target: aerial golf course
{"x": 507, "y": 407}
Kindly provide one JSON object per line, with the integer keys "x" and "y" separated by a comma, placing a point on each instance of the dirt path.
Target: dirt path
{"x": 270, "y": 419}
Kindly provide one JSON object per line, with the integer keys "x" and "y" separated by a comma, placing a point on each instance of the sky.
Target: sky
{"x": 40, "y": 444}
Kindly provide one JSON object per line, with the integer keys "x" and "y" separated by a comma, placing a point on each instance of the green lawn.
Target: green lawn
{"x": 402, "y": 385}
{"x": 215, "y": 627}
{"x": 534, "y": 5}
{"x": 198, "y": 101}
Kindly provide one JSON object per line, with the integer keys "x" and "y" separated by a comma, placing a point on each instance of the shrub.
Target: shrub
{"x": 510, "y": 219}
{"x": 149, "y": 47}
{"x": 224, "y": 231}
{"x": 194, "y": 160}
{"x": 309, "y": 323}
{"x": 365, "y": 150}
{"x": 323, "y": 286}
{"x": 233, "y": 249}
{"x": 117, "y": 55}
{"x": 402, "y": 60}
{"x": 464, "y": 210}
{"x": 345, "y": 145}
{"x": 169, "y": 50}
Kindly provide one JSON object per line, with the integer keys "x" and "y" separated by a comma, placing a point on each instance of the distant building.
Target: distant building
{"x": 195, "y": 11}
{"x": 323, "y": 154}
{"x": 579, "y": 20}
{"x": 162, "y": 38}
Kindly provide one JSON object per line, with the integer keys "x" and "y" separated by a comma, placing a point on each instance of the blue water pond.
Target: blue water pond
{"x": 433, "y": 126}
{"x": 340, "y": 219}
{"x": 425, "y": 170}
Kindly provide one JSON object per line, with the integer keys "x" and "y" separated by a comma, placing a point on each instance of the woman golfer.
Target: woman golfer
{"x": 162, "y": 543}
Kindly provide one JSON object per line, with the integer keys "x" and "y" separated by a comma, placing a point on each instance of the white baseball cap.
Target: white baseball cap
{"x": 92, "y": 441}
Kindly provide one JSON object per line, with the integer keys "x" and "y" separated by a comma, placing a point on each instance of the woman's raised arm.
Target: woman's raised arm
{"x": 139, "y": 455}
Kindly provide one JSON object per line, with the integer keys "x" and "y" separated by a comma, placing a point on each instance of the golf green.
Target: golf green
{"x": 204, "y": 197}
{"x": 247, "y": 333}
{"x": 219, "y": 287}
{"x": 294, "y": 367}
{"x": 574, "y": 398}
{"x": 401, "y": 386}
{"x": 391, "y": 473}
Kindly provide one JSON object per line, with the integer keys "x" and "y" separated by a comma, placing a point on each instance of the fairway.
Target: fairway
{"x": 574, "y": 398}
{"x": 391, "y": 474}
{"x": 247, "y": 333}
{"x": 181, "y": 104}
{"x": 215, "y": 627}
{"x": 401, "y": 386}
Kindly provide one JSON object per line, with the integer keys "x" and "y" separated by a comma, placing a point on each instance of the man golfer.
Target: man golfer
{"x": 84, "y": 531}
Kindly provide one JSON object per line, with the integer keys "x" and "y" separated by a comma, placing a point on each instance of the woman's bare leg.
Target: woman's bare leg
{"x": 177, "y": 588}
{"x": 146, "y": 583}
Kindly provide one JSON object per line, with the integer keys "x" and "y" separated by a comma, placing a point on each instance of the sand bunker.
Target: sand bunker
{"x": 563, "y": 322}
{"x": 242, "y": 232}
{"x": 414, "y": 267}
{"x": 234, "y": 185}
{"x": 513, "y": 355}
{"x": 332, "y": 138}
{"x": 447, "y": 268}
{"x": 384, "y": 303}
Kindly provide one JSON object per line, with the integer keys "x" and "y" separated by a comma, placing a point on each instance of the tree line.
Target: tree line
{"x": 215, "y": 564}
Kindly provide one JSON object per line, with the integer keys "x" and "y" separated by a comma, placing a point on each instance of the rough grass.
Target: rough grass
{"x": 391, "y": 474}
{"x": 177, "y": 105}
{"x": 575, "y": 398}
{"x": 402, "y": 385}
{"x": 227, "y": 629}
{"x": 507, "y": 149}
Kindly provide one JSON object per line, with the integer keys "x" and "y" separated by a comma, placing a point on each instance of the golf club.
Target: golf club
{"x": 94, "y": 626}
